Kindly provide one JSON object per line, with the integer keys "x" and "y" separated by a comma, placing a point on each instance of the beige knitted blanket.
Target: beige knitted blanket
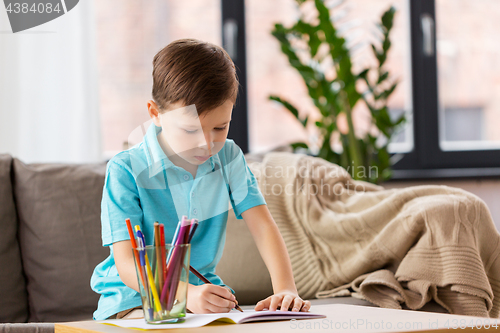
{"x": 390, "y": 247}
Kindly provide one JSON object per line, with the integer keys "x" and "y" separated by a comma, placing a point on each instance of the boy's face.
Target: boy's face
{"x": 191, "y": 137}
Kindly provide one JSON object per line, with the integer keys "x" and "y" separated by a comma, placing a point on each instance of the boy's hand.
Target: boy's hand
{"x": 285, "y": 300}
{"x": 210, "y": 298}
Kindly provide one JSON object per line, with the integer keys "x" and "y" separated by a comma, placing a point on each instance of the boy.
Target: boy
{"x": 185, "y": 165}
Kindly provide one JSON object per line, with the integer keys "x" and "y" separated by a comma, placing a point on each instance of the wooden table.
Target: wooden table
{"x": 340, "y": 318}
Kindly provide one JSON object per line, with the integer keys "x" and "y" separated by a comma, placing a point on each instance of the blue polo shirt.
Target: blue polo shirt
{"x": 144, "y": 185}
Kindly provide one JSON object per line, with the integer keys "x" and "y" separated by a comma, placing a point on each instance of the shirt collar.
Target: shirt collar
{"x": 158, "y": 160}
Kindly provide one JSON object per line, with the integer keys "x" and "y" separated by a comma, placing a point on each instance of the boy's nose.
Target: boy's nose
{"x": 210, "y": 143}
{"x": 210, "y": 146}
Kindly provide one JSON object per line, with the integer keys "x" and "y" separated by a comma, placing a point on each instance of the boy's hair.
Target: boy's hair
{"x": 193, "y": 72}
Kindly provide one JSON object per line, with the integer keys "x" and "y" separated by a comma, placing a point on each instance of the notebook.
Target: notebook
{"x": 198, "y": 320}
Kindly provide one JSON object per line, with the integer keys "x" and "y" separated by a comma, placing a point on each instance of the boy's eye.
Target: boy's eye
{"x": 216, "y": 128}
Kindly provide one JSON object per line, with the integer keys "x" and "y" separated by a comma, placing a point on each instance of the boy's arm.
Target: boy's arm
{"x": 124, "y": 261}
{"x": 272, "y": 248}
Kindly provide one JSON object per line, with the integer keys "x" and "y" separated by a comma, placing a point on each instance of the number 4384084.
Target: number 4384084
{"x": 25, "y": 8}
{"x": 477, "y": 323}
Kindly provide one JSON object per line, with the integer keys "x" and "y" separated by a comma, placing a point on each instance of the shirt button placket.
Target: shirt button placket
{"x": 194, "y": 211}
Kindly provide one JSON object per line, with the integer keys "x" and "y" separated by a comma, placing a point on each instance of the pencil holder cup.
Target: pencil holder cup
{"x": 163, "y": 273}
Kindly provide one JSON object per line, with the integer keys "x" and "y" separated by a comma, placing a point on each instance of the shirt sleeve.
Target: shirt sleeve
{"x": 120, "y": 200}
{"x": 244, "y": 192}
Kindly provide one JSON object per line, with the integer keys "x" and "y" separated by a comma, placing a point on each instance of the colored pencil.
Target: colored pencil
{"x": 194, "y": 225}
{"x": 159, "y": 266}
{"x": 152, "y": 285}
{"x": 142, "y": 268}
{"x": 180, "y": 235}
{"x": 174, "y": 239}
{"x": 163, "y": 256}
{"x": 173, "y": 264}
{"x": 134, "y": 245}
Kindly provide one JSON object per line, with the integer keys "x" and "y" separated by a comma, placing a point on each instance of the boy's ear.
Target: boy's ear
{"x": 154, "y": 112}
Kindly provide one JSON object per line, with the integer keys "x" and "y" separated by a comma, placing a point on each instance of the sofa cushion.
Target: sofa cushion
{"x": 60, "y": 237}
{"x": 27, "y": 328}
{"x": 14, "y": 299}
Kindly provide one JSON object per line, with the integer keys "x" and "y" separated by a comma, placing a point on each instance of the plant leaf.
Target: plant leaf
{"x": 290, "y": 108}
{"x": 297, "y": 145}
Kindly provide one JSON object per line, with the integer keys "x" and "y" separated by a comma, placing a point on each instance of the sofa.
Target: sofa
{"x": 50, "y": 242}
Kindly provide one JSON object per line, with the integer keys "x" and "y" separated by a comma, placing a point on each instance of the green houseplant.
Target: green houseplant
{"x": 359, "y": 156}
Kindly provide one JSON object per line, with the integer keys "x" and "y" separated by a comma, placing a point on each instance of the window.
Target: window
{"x": 270, "y": 73}
{"x": 447, "y": 54}
{"x": 456, "y": 84}
{"x": 468, "y": 51}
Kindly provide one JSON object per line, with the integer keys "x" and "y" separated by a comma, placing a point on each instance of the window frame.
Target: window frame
{"x": 233, "y": 11}
{"x": 428, "y": 160}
